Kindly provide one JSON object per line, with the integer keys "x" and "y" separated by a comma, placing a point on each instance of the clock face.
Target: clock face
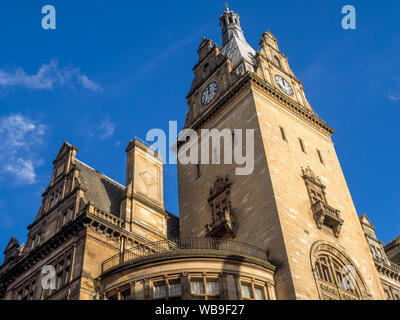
{"x": 284, "y": 85}
{"x": 209, "y": 93}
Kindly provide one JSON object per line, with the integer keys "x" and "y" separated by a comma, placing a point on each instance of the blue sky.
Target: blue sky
{"x": 113, "y": 70}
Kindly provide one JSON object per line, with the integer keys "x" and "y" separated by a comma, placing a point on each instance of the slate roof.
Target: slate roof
{"x": 237, "y": 49}
{"x": 105, "y": 193}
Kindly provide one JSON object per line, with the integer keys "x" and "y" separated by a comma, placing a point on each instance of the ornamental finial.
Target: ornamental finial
{"x": 226, "y": 6}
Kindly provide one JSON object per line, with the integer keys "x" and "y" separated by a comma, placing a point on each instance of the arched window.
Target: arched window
{"x": 336, "y": 276}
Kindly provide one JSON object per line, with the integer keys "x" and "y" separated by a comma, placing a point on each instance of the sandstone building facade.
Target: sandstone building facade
{"x": 287, "y": 229}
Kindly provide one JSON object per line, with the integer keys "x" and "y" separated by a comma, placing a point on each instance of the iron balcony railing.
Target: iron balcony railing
{"x": 165, "y": 246}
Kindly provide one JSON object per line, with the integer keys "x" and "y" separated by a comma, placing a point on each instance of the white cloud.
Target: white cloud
{"x": 22, "y": 170}
{"x": 20, "y": 138}
{"x": 394, "y": 98}
{"x": 107, "y": 128}
{"x": 48, "y": 77}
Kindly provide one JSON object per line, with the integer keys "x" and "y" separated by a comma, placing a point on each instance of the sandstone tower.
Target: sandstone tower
{"x": 295, "y": 203}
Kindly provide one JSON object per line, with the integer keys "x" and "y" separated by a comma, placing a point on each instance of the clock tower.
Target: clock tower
{"x": 295, "y": 203}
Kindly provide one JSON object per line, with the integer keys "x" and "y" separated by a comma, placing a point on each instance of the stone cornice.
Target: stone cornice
{"x": 252, "y": 78}
{"x": 293, "y": 106}
{"x": 387, "y": 270}
{"x": 188, "y": 255}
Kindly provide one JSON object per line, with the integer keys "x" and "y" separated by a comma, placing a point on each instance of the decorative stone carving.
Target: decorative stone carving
{"x": 222, "y": 224}
{"x": 322, "y": 212}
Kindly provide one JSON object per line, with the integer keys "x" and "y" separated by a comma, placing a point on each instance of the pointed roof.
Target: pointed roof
{"x": 65, "y": 148}
{"x": 102, "y": 191}
{"x": 365, "y": 221}
{"x": 234, "y": 43}
{"x": 12, "y": 244}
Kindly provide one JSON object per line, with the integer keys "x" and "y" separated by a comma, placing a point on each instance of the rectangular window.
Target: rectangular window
{"x": 197, "y": 286}
{"x": 175, "y": 289}
{"x": 302, "y": 146}
{"x": 67, "y": 274}
{"x": 126, "y": 295}
{"x": 65, "y": 218}
{"x": 59, "y": 280}
{"x": 70, "y": 214}
{"x": 160, "y": 291}
{"x": 259, "y": 292}
{"x": 320, "y": 157}
{"x": 246, "y": 291}
{"x": 212, "y": 287}
{"x": 283, "y": 134}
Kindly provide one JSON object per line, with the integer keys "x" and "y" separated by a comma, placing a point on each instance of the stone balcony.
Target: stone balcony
{"x": 328, "y": 216}
{"x": 221, "y": 226}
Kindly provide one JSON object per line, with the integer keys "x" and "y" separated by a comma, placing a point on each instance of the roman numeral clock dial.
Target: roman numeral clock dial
{"x": 284, "y": 85}
{"x": 209, "y": 93}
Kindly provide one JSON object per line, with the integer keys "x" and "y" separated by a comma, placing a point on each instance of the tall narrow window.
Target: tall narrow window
{"x": 38, "y": 239}
{"x": 320, "y": 156}
{"x": 302, "y": 146}
{"x": 283, "y": 134}
{"x": 198, "y": 170}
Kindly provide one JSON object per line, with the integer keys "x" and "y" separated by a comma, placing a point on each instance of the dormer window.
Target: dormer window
{"x": 68, "y": 216}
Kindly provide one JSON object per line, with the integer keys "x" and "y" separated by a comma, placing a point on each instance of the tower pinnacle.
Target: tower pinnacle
{"x": 234, "y": 44}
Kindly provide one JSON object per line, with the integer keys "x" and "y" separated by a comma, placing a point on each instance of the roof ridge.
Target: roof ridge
{"x": 108, "y": 178}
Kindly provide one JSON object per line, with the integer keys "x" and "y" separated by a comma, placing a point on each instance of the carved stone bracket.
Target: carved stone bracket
{"x": 323, "y": 213}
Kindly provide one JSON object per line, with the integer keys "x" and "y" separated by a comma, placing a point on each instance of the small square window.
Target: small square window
{"x": 160, "y": 291}
{"x": 212, "y": 287}
{"x": 126, "y": 295}
{"x": 175, "y": 289}
{"x": 246, "y": 291}
{"x": 197, "y": 286}
{"x": 259, "y": 292}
